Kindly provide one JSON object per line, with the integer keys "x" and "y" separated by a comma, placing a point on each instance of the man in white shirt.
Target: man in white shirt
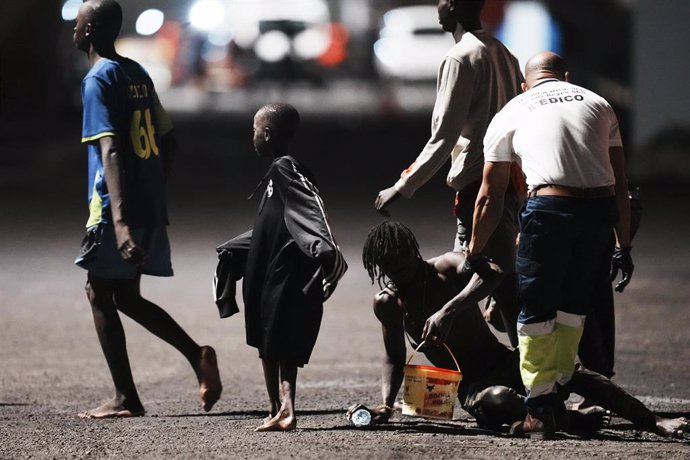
{"x": 475, "y": 80}
{"x": 568, "y": 143}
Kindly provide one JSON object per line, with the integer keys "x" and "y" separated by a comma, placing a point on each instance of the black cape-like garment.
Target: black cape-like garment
{"x": 290, "y": 264}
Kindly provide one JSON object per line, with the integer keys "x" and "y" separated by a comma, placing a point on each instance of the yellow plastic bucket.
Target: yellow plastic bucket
{"x": 430, "y": 391}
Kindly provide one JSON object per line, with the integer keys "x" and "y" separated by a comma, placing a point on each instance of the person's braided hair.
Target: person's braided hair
{"x": 386, "y": 241}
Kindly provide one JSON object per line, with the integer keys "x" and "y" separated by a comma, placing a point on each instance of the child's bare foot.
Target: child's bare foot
{"x": 112, "y": 409}
{"x": 210, "y": 387}
{"x": 269, "y": 417}
{"x": 281, "y": 422}
{"x": 672, "y": 427}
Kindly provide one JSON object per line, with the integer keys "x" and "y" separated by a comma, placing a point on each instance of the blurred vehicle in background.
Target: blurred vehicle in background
{"x": 248, "y": 40}
{"x": 217, "y": 45}
{"x": 411, "y": 44}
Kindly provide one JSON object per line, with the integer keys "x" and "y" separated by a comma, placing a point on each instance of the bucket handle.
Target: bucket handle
{"x": 444, "y": 344}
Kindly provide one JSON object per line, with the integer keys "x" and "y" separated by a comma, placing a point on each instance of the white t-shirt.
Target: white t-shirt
{"x": 475, "y": 80}
{"x": 559, "y": 132}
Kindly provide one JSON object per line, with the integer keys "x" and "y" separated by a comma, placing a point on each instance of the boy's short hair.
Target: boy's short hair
{"x": 106, "y": 16}
{"x": 282, "y": 118}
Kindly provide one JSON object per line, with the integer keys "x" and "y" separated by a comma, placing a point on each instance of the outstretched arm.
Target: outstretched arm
{"x": 453, "y": 100}
{"x": 484, "y": 277}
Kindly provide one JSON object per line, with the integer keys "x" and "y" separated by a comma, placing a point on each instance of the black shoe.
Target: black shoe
{"x": 589, "y": 420}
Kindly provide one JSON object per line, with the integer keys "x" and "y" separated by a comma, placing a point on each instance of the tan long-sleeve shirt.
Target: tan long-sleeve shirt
{"x": 477, "y": 77}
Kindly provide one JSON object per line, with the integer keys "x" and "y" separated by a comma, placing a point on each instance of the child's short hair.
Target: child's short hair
{"x": 282, "y": 118}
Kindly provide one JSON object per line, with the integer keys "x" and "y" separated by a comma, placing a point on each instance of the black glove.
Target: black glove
{"x": 478, "y": 264}
{"x": 622, "y": 261}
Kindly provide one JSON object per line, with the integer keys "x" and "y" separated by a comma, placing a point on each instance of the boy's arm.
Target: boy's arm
{"x": 112, "y": 171}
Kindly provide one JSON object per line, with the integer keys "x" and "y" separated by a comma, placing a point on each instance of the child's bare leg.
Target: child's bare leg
{"x": 272, "y": 379}
{"x": 157, "y": 321}
{"x": 285, "y": 419}
{"x": 111, "y": 335}
{"x": 208, "y": 376}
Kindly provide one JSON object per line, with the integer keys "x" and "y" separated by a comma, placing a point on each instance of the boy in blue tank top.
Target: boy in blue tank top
{"x": 130, "y": 146}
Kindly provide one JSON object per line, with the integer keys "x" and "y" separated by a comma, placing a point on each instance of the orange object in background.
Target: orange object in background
{"x": 493, "y": 14}
{"x": 336, "y": 52}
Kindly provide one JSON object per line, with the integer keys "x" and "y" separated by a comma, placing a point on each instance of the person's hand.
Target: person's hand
{"x": 437, "y": 328}
{"x": 129, "y": 250}
{"x": 622, "y": 261}
{"x": 384, "y": 198}
{"x": 381, "y": 414}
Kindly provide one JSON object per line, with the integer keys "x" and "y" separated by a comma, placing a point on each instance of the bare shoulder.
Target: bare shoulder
{"x": 447, "y": 263}
{"x": 387, "y": 304}
{"x": 386, "y": 296}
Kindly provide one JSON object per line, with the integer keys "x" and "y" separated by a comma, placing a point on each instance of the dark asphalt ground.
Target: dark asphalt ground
{"x": 51, "y": 366}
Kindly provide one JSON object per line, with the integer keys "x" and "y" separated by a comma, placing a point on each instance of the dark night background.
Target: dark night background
{"x": 359, "y": 131}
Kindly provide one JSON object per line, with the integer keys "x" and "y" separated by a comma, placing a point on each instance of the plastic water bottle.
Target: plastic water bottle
{"x": 361, "y": 417}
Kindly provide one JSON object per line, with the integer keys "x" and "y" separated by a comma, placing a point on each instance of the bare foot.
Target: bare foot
{"x": 672, "y": 427}
{"x": 281, "y": 422}
{"x": 210, "y": 387}
{"x": 112, "y": 409}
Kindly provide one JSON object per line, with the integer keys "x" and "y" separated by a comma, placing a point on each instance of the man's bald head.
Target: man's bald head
{"x": 545, "y": 65}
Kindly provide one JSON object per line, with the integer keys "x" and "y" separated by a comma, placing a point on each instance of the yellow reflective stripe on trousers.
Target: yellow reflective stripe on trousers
{"x": 548, "y": 351}
{"x": 538, "y": 362}
{"x": 569, "y": 328}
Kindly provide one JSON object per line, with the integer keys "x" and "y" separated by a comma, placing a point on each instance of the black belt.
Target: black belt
{"x": 572, "y": 192}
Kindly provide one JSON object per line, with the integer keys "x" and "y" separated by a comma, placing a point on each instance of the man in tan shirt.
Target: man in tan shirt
{"x": 477, "y": 77}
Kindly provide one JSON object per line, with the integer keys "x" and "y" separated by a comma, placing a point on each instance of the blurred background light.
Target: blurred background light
{"x": 272, "y": 46}
{"x": 398, "y": 21}
{"x": 70, "y": 9}
{"x": 149, "y": 22}
{"x": 220, "y": 37}
{"x": 388, "y": 52}
{"x": 206, "y": 14}
{"x": 528, "y": 28}
{"x": 311, "y": 43}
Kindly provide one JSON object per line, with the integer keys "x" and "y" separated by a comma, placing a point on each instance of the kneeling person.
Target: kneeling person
{"x": 491, "y": 389}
